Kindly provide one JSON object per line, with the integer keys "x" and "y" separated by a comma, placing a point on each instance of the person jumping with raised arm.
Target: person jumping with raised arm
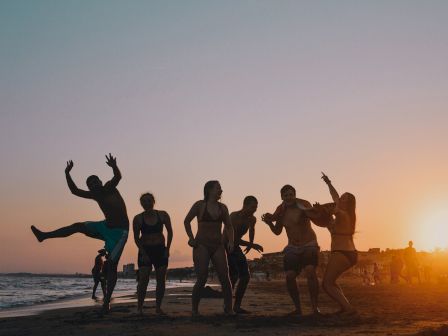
{"x": 242, "y": 221}
{"x": 113, "y": 230}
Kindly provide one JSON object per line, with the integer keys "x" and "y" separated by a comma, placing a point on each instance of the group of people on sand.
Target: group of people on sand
{"x": 222, "y": 248}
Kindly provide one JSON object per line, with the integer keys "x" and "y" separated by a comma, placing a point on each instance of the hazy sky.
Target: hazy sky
{"x": 253, "y": 93}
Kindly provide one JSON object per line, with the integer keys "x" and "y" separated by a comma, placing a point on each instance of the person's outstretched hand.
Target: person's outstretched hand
{"x": 69, "y": 166}
{"x": 325, "y": 178}
{"x": 111, "y": 161}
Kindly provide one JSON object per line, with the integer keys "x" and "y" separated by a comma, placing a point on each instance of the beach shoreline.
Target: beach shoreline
{"x": 81, "y": 301}
{"x": 383, "y": 310}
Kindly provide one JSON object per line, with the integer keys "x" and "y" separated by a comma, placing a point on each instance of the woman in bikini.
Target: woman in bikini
{"x": 208, "y": 243}
{"x": 149, "y": 238}
{"x": 340, "y": 219}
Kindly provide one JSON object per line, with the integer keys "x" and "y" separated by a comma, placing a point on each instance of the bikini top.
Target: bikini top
{"x": 151, "y": 229}
{"x": 206, "y": 217}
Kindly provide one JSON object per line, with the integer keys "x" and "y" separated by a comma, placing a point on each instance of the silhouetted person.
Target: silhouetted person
{"x": 411, "y": 263}
{"x": 341, "y": 224}
{"x": 113, "y": 230}
{"x": 97, "y": 274}
{"x": 208, "y": 243}
{"x": 242, "y": 221}
{"x": 427, "y": 270}
{"x": 365, "y": 277}
{"x": 396, "y": 266}
{"x": 376, "y": 274}
{"x": 149, "y": 238}
{"x": 302, "y": 251}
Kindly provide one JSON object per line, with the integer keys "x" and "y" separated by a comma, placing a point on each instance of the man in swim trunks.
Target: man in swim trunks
{"x": 113, "y": 230}
{"x": 302, "y": 251}
{"x": 242, "y": 221}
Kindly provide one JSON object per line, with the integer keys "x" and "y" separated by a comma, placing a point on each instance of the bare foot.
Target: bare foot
{"x": 317, "y": 312}
{"x": 295, "y": 313}
{"x": 229, "y": 312}
{"x": 240, "y": 310}
{"x": 159, "y": 311}
{"x": 106, "y": 308}
{"x": 39, "y": 234}
{"x": 351, "y": 312}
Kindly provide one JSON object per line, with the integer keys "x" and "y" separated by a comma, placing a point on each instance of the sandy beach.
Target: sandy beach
{"x": 384, "y": 310}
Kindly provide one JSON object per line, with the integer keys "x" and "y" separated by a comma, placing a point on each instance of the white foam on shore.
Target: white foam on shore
{"x": 83, "y": 301}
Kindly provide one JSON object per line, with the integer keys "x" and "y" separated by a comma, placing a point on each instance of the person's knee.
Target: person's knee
{"x": 310, "y": 272}
{"x": 143, "y": 274}
{"x": 201, "y": 280}
{"x": 80, "y": 227}
{"x": 291, "y": 276}
{"x": 245, "y": 278}
{"x": 327, "y": 283}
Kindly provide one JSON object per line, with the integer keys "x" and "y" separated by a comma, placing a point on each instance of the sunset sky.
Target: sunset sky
{"x": 255, "y": 94}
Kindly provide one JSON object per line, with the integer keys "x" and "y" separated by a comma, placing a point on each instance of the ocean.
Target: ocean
{"x": 30, "y": 294}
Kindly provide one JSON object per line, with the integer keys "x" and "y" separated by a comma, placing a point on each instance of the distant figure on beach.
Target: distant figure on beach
{"x": 113, "y": 230}
{"x": 396, "y": 266}
{"x": 97, "y": 274}
{"x": 365, "y": 277}
{"x": 208, "y": 243}
{"x": 242, "y": 221}
{"x": 376, "y": 274}
{"x": 302, "y": 251}
{"x": 149, "y": 238}
{"x": 427, "y": 270}
{"x": 411, "y": 263}
{"x": 341, "y": 224}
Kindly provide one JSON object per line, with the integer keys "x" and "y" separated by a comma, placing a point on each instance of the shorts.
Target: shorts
{"x": 238, "y": 267}
{"x": 296, "y": 258}
{"x": 114, "y": 238}
{"x": 157, "y": 257}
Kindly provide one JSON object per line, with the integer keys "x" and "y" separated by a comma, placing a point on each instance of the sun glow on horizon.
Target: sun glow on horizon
{"x": 431, "y": 228}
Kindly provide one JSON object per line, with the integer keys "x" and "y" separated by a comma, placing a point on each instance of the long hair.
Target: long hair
{"x": 207, "y": 187}
{"x": 351, "y": 208}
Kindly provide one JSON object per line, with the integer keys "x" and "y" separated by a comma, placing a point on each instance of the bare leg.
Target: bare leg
{"x": 143, "y": 279}
{"x": 239, "y": 294}
{"x": 94, "y": 288}
{"x": 62, "y": 232}
{"x": 337, "y": 265}
{"x": 103, "y": 287}
{"x": 201, "y": 259}
{"x": 111, "y": 282}
{"x": 313, "y": 287}
{"x": 160, "y": 288}
{"x": 219, "y": 260}
{"x": 293, "y": 290}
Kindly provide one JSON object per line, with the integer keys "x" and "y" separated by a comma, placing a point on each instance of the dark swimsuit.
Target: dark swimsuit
{"x": 352, "y": 255}
{"x": 212, "y": 247}
{"x": 156, "y": 253}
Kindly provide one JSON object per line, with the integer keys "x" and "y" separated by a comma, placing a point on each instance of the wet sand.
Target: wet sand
{"x": 384, "y": 310}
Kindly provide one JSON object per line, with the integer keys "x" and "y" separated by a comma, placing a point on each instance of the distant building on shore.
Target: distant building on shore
{"x": 129, "y": 270}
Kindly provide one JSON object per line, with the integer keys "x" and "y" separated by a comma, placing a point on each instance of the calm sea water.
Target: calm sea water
{"x": 27, "y": 291}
